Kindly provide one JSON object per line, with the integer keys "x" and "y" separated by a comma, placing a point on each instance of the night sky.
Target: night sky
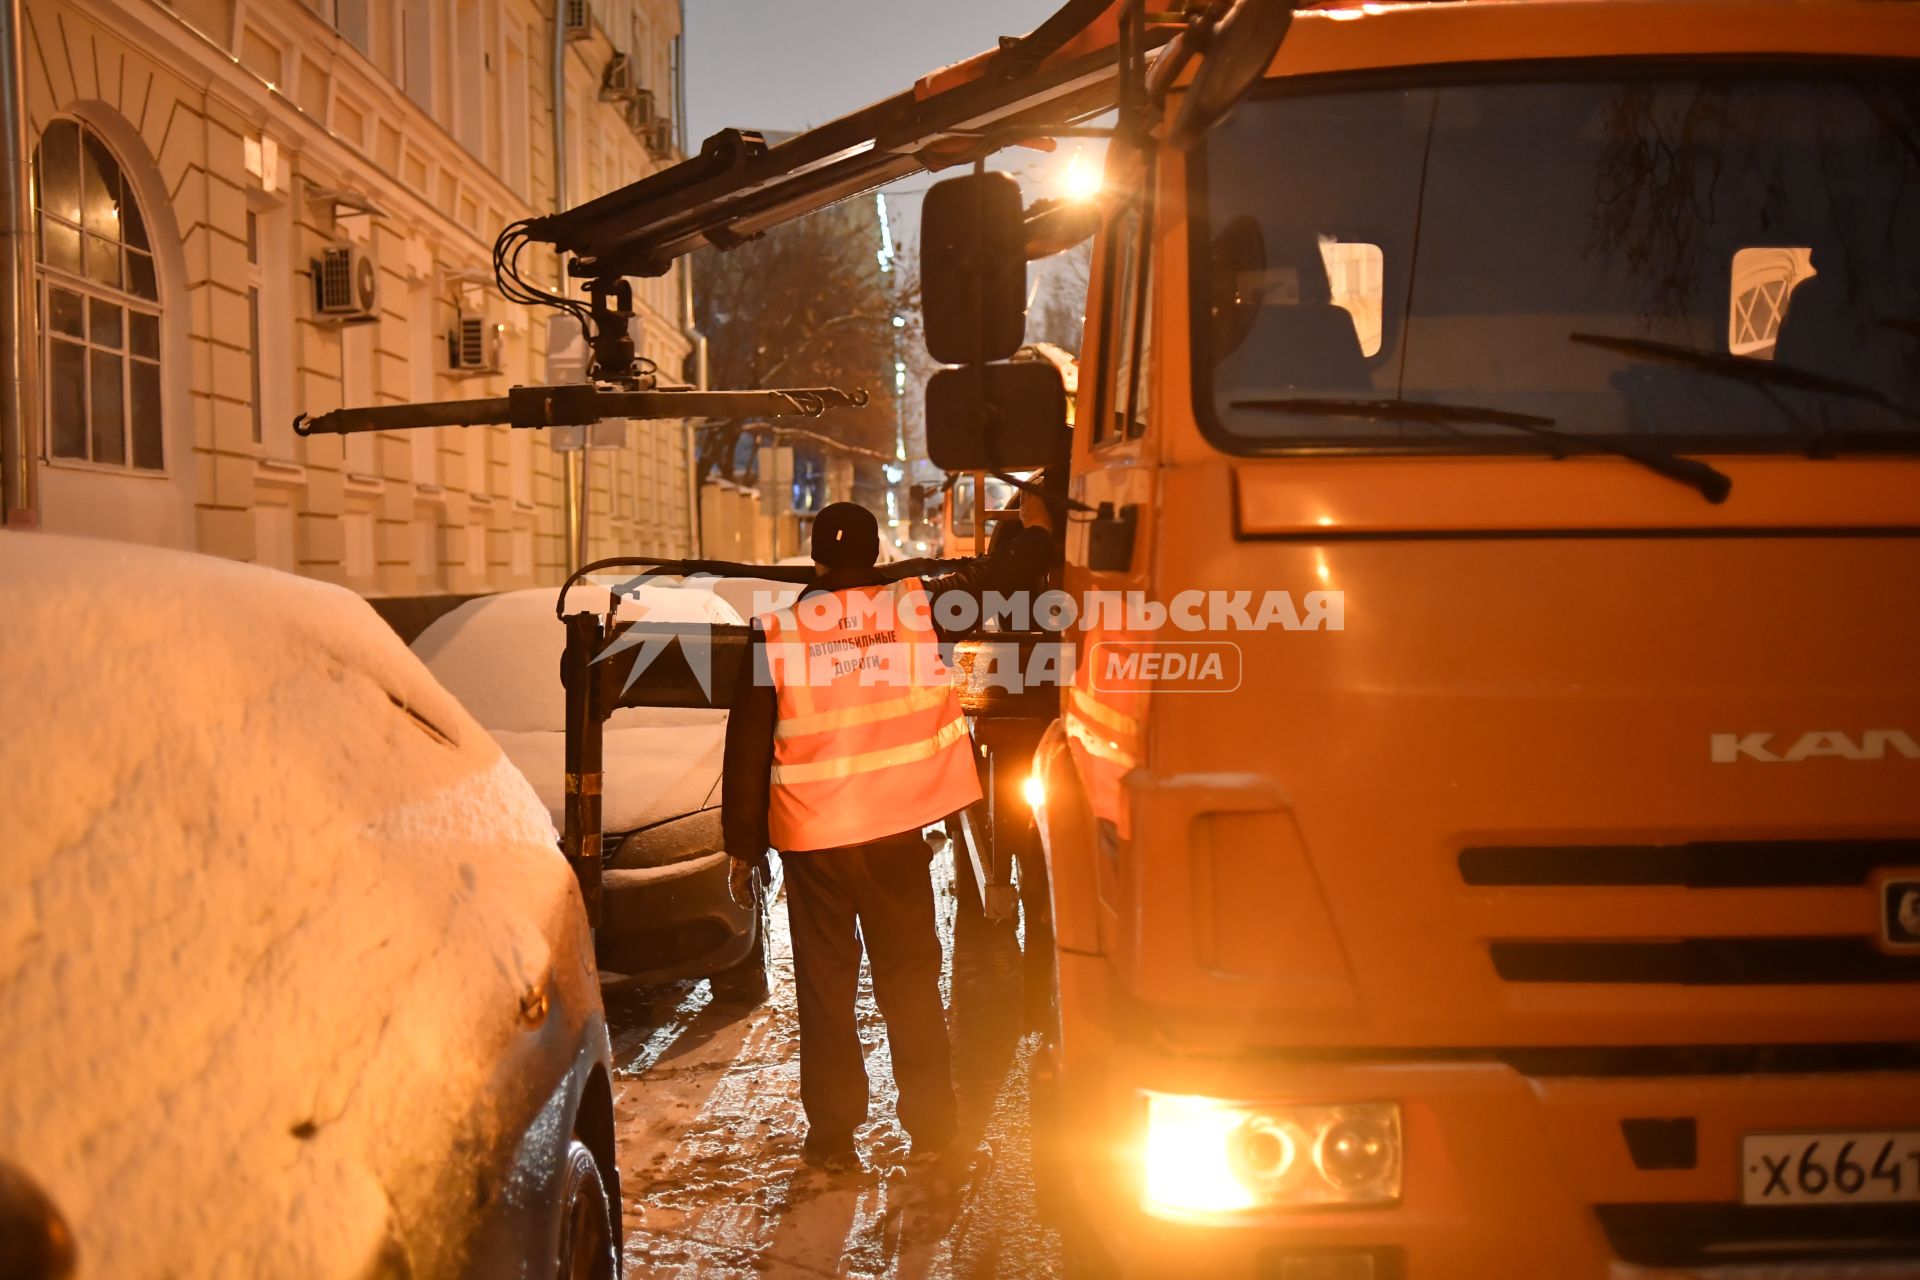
{"x": 790, "y": 64}
{"x": 787, "y": 64}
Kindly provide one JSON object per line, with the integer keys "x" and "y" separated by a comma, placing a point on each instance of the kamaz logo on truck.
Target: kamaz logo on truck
{"x": 1771, "y": 748}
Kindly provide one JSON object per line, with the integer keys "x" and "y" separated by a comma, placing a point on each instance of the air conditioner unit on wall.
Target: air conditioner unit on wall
{"x": 346, "y": 284}
{"x": 659, "y": 138}
{"x": 473, "y": 346}
{"x": 619, "y": 80}
{"x": 579, "y": 18}
{"x": 640, "y": 112}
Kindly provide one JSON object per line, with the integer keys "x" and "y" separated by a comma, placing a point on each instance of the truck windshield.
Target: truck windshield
{"x": 1480, "y": 244}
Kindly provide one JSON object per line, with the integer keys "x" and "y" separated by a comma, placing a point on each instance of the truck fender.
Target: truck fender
{"x": 1067, "y": 834}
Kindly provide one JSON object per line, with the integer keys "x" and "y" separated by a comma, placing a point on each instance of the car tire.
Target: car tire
{"x": 747, "y": 982}
{"x": 586, "y": 1219}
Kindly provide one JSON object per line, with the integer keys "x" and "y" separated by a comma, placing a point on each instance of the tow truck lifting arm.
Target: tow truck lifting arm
{"x": 581, "y": 404}
{"x": 611, "y": 663}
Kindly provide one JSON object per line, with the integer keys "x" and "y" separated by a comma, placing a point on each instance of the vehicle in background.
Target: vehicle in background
{"x": 296, "y": 982}
{"x": 750, "y": 597}
{"x": 666, "y": 913}
{"x": 959, "y": 524}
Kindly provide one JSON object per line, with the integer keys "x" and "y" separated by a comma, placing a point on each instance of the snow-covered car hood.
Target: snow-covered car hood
{"x": 271, "y": 907}
{"x": 500, "y": 655}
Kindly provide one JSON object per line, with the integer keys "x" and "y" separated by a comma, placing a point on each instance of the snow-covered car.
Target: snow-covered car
{"x": 665, "y": 909}
{"x": 750, "y": 597}
{"x": 294, "y": 981}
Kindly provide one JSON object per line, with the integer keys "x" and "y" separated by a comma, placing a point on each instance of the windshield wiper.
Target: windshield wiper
{"x": 1712, "y": 484}
{"x": 1765, "y": 373}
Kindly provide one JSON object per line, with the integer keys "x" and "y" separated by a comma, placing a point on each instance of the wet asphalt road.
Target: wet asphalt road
{"x": 707, "y": 1105}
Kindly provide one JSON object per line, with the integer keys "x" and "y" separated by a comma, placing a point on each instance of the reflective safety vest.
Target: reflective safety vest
{"x": 870, "y": 740}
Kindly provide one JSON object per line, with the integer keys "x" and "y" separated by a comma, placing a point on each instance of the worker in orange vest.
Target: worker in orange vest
{"x": 847, "y": 742}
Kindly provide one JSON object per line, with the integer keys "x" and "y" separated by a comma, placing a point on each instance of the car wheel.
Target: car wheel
{"x": 586, "y": 1231}
{"x": 747, "y": 982}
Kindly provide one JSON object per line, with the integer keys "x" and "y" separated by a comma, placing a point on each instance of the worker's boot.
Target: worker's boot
{"x": 832, "y": 1158}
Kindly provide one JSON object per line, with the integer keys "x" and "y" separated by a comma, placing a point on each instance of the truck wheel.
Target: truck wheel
{"x": 586, "y": 1231}
{"x": 746, "y": 982}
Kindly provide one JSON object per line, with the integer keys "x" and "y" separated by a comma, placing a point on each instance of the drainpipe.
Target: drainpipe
{"x": 688, "y": 325}
{"x": 575, "y": 462}
{"x": 687, "y": 425}
{"x": 19, "y": 343}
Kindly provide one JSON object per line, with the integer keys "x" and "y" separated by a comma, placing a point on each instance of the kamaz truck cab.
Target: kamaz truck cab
{"x": 1534, "y": 890}
{"x": 1482, "y": 820}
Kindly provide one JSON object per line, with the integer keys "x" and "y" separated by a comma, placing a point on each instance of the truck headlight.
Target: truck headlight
{"x": 1206, "y": 1157}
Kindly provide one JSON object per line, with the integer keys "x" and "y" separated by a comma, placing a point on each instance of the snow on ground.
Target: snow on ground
{"x": 710, "y": 1126}
{"x": 269, "y": 903}
{"x": 500, "y": 655}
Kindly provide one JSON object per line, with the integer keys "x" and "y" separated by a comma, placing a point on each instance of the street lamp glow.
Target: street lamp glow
{"x": 1082, "y": 180}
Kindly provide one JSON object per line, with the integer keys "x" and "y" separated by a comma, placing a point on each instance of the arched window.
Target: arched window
{"x": 99, "y": 306}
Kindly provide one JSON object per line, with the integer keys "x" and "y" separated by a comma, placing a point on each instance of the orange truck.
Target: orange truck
{"x": 1482, "y": 827}
{"x": 1542, "y": 897}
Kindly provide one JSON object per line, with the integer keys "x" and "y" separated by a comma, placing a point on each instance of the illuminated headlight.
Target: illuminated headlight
{"x": 1207, "y": 1158}
{"x": 1034, "y": 789}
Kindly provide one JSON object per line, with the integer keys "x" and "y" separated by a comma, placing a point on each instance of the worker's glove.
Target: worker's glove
{"x": 740, "y": 873}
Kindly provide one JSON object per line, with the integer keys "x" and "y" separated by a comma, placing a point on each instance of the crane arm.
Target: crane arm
{"x": 1066, "y": 71}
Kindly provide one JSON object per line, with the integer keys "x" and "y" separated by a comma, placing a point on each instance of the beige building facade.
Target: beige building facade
{"x": 197, "y": 165}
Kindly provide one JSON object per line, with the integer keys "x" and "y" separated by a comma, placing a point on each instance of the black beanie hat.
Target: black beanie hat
{"x": 846, "y": 536}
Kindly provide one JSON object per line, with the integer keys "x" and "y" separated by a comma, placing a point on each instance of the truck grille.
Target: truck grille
{"x": 1719, "y": 864}
{"x": 1687, "y": 1235}
{"x": 1696, "y": 867}
{"x": 1705, "y": 962}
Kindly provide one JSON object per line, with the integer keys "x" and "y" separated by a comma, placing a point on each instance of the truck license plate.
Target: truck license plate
{"x": 1828, "y": 1168}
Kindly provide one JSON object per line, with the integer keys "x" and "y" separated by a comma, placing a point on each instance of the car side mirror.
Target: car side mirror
{"x": 997, "y": 417}
{"x": 973, "y": 269}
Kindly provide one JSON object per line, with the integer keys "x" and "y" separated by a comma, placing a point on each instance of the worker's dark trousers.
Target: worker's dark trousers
{"x": 887, "y": 888}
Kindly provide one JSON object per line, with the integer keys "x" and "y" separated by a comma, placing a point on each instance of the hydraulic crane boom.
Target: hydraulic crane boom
{"x": 1086, "y": 59}
{"x": 1067, "y": 70}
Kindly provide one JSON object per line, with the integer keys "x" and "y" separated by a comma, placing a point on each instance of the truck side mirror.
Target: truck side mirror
{"x": 973, "y": 269}
{"x": 997, "y": 417}
{"x": 1238, "y": 53}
